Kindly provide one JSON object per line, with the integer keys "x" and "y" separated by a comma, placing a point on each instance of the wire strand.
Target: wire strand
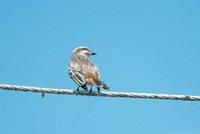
{"x": 102, "y": 94}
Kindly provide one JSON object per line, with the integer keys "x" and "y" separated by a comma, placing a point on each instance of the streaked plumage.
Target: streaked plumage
{"x": 83, "y": 71}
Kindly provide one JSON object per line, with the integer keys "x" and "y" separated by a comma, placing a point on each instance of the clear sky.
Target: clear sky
{"x": 150, "y": 46}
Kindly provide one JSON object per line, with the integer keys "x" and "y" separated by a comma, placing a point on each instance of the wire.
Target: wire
{"x": 102, "y": 94}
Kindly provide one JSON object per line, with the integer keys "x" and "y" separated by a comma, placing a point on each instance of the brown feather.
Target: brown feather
{"x": 94, "y": 80}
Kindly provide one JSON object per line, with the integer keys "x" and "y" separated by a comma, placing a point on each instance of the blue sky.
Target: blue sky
{"x": 143, "y": 46}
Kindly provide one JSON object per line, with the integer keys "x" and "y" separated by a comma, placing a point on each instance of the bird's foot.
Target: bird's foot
{"x": 98, "y": 89}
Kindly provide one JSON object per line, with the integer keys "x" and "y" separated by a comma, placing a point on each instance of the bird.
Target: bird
{"x": 83, "y": 71}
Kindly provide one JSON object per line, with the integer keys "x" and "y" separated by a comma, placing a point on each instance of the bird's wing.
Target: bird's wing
{"x": 77, "y": 76}
{"x": 96, "y": 71}
{"x": 95, "y": 78}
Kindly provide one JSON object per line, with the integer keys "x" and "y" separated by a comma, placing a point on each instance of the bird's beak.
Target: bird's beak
{"x": 94, "y": 53}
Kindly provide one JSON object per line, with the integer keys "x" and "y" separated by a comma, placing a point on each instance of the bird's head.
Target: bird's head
{"x": 84, "y": 51}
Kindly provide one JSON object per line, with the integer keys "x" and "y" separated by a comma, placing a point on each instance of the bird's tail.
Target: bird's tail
{"x": 105, "y": 86}
{"x": 101, "y": 84}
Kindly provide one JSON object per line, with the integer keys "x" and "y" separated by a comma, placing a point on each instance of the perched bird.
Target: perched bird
{"x": 84, "y": 72}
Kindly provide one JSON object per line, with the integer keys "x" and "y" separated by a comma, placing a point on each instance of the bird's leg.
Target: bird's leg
{"x": 90, "y": 91}
{"x": 98, "y": 89}
{"x": 77, "y": 89}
